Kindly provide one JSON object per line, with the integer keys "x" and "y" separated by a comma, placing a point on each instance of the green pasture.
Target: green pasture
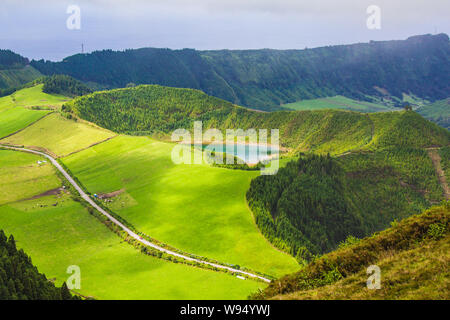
{"x": 12, "y": 120}
{"x": 337, "y": 102}
{"x": 59, "y": 135}
{"x": 195, "y": 208}
{"x": 58, "y": 232}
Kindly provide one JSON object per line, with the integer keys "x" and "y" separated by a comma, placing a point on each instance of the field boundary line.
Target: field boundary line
{"x": 90, "y": 146}
{"x": 125, "y": 228}
{"x": 28, "y": 125}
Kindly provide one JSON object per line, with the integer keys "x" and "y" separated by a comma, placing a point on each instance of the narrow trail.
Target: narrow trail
{"x": 436, "y": 159}
{"x": 126, "y": 229}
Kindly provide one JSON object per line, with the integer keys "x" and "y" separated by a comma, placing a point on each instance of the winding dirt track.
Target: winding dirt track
{"x": 124, "y": 228}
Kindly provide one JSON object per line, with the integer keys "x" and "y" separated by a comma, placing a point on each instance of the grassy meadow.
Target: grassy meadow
{"x": 58, "y": 232}
{"x": 59, "y": 135}
{"x": 195, "y": 208}
{"x": 337, "y": 102}
{"x": 33, "y": 96}
{"x": 12, "y": 120}
{"x": 16, "y": 110}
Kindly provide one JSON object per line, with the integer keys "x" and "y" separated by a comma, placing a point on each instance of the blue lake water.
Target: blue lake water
{"x": 249, "y": 153}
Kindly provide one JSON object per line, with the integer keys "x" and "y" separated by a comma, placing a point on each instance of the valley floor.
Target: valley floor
{"x": 58, "y": 232}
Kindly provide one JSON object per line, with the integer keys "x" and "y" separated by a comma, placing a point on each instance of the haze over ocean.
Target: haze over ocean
{"x": 38, "y": 30}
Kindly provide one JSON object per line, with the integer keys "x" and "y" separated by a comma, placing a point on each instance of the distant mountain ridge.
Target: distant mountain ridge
{"x": 265, "y": 79}
{"x": 15, "y": 71}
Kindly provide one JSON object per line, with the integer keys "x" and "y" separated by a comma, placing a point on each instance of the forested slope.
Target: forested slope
{"x": 20, "y": 280}
{"x": 15, "y": 71}
{"x": 152, "y": 109}
{"x": 265, "y": 79}
{"x": 316, "y": 202}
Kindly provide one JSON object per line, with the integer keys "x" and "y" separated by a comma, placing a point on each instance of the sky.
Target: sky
{"x": 37, "y": 29}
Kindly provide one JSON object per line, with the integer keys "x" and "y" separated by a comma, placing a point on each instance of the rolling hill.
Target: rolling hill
{"x": 152, "y": 109}
{"x": 15, "y": 71}
{"x": 412, "y": 255}
{"x": 438, "y": 112}
{"x": 24, "y": 107}
{"x": 380, "y": 165}
{"x": 316, "y": 202}
{"x": 266, "y": 79}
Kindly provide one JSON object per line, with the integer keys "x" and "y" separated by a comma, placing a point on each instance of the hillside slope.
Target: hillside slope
{"x": 438, "y": 112}
{"x": 413, "y": 257}
{"x": 20, "y": 279}
{"x": 152, "y": 109}
{"x": 265, "y": 79}
{"x": 15, "y": 71}
{"x": 316, "y": 202}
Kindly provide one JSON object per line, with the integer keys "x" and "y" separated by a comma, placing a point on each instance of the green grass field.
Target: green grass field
{"x": 22, "y": 177}
{"x": 16, "y": 110}
{"x": 337, "y": 102}
{"x": 12, "y": 120}
{"x": 30, "y": 97}
{"x": 195, "y": 208}
{"x": 59, "y": 135}
{"x": 58, "y": 232}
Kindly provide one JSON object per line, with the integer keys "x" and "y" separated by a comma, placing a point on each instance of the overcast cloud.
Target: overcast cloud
{"x": 37, "y": 29}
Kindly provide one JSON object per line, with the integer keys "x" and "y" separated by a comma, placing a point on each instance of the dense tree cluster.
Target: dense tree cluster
{"x": 304, "y": 208}
{"x": 19, "y": 279}
{"x": 150, "y": 109}
{"x": 265, "y": 79}
{"x": 316, "y": 202}
{"x": 11, "y": 60}
{"x": 65, "y": 85}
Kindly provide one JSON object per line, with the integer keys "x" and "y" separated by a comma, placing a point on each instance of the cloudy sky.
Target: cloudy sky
{"x": 37, "y": 28}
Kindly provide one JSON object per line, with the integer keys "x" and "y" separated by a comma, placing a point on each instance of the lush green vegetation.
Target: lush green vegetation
{"x": 25, "y": 107}
{"x": 413, "y": 256}
{"x": 195, "y": 208}
{"x": 303, "y": 209}
{"x": 64, "y": 85}
{"x": 266, "y": 79}
{"x": 15, "y": 71}
{"x": 445, "y": 161}
{"x": 15, "y": 119}
{"x": 11, "y": 60}
{"x": 59, "y": 232}
{"x": 23, "y": 177}
{"x": 20, "y": 280}
{"x": 14, "y": 79}
{"x": 59, "y": 136}
{"x": 32, "y": 98}
{"x": 160, "y": 110}
{"x": 316, "y": 202}
{"x": 438, "y": 112}
{"x": 338, "y": 102}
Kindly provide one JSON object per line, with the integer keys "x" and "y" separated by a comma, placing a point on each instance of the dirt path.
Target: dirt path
{"x": 436, "y": 159}
{"x": 126, "y": 229}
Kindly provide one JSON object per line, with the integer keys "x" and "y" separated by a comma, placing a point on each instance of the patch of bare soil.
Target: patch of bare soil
{"x": 111, "y": 194}
{"x": 52, "y": 192}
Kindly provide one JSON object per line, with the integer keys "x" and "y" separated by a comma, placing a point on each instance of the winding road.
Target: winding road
{"x": 124, "y": 228}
